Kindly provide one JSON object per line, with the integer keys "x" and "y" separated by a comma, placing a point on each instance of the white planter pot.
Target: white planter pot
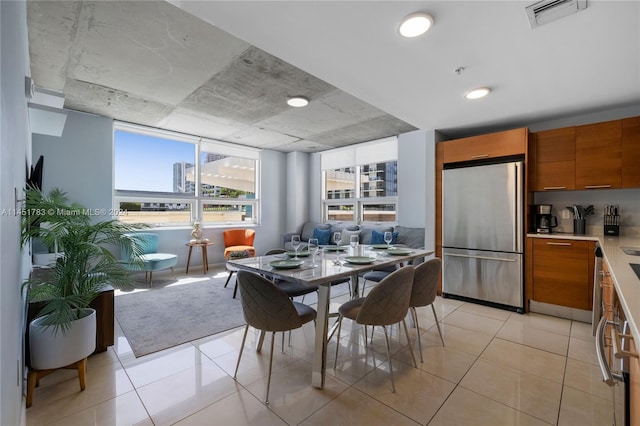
{"x": 45, "y": 259}
{"x": 50, "y": 349}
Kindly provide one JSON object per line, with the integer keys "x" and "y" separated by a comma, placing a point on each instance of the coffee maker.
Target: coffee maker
{"x": 545, "y": 221}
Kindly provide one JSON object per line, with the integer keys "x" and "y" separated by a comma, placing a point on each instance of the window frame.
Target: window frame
{"x": 196, "y": 199}
{"x": 358, "y": 202}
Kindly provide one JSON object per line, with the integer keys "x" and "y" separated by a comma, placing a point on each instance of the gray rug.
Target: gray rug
{"x": 163, "y": 317}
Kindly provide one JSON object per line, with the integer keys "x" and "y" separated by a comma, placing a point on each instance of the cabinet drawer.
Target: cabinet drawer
{"x": 556, "y": 145}
{"x": 558, "y": 175}
{"x": 598, "y": 155}
{"x": 631, "y": 152}
{"x": 555, "y": 159}
{"x": 561, "y": 273}
{"x": 607, "y": 292}
{"x": 500, "y": 144}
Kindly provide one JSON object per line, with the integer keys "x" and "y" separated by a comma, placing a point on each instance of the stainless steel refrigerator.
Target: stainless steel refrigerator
{"x": 482, "y": 247}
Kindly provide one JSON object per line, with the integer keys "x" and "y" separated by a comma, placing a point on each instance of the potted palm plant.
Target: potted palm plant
{"x": 64, "y": 331}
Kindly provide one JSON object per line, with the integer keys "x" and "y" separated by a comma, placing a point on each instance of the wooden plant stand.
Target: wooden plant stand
{"x": 34, "y": 376}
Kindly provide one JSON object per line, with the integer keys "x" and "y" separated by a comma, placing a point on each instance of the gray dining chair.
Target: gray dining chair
{"x": 423, "y": 293}
{"x": 386, "y": 304}
{"x": 377, "y": 275}
{"x": 267, "y": 308}
{"x": 292, "y": 289}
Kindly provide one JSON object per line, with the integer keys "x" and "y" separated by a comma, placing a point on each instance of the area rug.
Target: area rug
{"x": 163, "y": 317}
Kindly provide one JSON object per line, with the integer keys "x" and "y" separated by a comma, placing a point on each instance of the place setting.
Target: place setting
{"x": 296, "y": 259}
{"x": 286, "y": 263}
{"x": 353, "y": 259}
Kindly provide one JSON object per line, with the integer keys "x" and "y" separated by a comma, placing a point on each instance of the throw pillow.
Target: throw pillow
{"x": 323, "y": 236}
{"x": 307, "y": 230}
{"x": 378, "y": 237}
{"x": 346, "y": 236}
{"x": 411, "y": 237}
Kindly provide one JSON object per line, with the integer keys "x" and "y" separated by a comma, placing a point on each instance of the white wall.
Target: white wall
{"x": 416, "y": 182}
{"x": 80, "y": 163}
{"x": 315, "y": 188}
{"x": 274, "y": 200}
{"x": 14, "y": 156}
{"x": 297, "y": 184}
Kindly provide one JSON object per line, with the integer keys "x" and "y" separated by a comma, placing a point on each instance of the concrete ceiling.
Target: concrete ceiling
{"x": 151, "y": 63}
{"x": 155, "y": 64}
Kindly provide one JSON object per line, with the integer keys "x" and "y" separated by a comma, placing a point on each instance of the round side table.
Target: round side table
{"x": 205, "y": 260}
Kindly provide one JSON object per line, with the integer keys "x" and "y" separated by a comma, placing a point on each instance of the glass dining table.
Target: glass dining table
{"x": 326, "y": 270}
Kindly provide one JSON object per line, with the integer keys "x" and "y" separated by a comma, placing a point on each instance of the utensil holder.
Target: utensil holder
{"x": 579, "y": 226}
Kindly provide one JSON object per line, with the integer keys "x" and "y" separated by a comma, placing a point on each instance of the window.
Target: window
{"x": 360, "y": 183}
{"x": 159, "y": 181}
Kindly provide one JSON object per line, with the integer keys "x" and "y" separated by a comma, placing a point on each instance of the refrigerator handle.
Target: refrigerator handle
{"x": 517, "y": 242}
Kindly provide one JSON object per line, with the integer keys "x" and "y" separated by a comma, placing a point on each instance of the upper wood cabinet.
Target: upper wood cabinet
{"x": 493, "y": 145}
{"x": 555, "y": 159}
{"x": 599, "y": 155}
{"x": 631, "y": 152}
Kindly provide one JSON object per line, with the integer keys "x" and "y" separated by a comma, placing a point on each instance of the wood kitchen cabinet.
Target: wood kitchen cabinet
{"x": 563, "y": 272}
{"x": 631, "y": 152}
{"x": 438, "y": 230}
{"x": 608, "y": 292}
{"x": 599, "y": 155}
{"x": 493, "y": 145}
{"x": 634, "y": 386}
{"x": 555, "y": 159}
{"x": 611, "y": 305}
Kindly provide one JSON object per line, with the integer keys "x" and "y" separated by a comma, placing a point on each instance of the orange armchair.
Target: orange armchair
{"x": 238, "y": 240}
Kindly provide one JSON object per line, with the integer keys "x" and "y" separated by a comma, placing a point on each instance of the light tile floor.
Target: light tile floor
{"x": 497, "y": 368}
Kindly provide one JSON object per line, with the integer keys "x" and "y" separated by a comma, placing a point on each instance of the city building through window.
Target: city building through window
{"x": 164, "y": 178}
{"x": 360, "y": 183}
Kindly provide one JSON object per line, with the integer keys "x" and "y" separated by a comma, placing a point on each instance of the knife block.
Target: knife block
{"x": 612, "y": 225}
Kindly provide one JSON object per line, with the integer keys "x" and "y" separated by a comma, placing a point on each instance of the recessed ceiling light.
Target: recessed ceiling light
{"x": 477, "y": 93}
{"x": 415, "y": 24}
{"x": 298, "y": 101}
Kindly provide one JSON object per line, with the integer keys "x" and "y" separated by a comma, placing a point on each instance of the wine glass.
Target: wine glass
{"x": 353, "y": 241}
{"x": 313, "y": 248}
{"x": 337, "y": 237}
{"x": 295, "y": 243}
{"x": 388, "y": 237}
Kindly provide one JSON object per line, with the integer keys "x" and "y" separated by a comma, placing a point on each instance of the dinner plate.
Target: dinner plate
{"x": 399, "y": 252}
{"x": 335, "y": 248}
{"x": 360, "y": 260}
{"x": 300, "y": 253}
{"x": 286, "y": 264}
{"x": 379, "y": 246}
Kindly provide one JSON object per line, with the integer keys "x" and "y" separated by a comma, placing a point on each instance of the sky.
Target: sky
{"x": 145, "y": 163}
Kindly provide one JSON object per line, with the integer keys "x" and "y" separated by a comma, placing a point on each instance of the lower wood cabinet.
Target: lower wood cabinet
{"x": 634, "y": 383}
{"x": 563, "y": 272}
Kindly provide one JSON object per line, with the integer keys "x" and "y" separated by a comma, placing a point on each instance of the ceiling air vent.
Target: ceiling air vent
{"x": 545, "y": 11}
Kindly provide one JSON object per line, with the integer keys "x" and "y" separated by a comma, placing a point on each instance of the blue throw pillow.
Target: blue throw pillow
{"x": 323, "y": 236}
{"x": 378, "y": 237}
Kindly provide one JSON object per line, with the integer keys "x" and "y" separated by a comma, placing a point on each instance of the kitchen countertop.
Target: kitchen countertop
{"x": 626, "y": 282}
